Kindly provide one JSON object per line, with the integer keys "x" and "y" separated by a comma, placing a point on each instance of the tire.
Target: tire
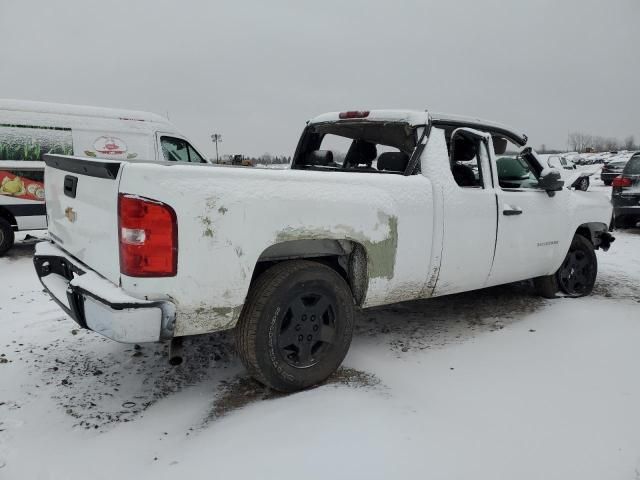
{"x": 6, "y": 236}
{"x": 296, "y": 326}
{"x": 583, "y": 184}
{"x": 577, "y": 274}
{"x": 607, "y": 182}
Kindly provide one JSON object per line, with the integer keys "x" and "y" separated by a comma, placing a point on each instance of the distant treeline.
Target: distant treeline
{"x": 584, "y": 142}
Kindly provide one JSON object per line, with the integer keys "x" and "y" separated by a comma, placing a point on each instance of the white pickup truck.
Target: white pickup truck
{"x": 377, "y": 207}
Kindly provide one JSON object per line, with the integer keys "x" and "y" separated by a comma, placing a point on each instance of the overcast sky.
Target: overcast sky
{"x": 256, "y": 71}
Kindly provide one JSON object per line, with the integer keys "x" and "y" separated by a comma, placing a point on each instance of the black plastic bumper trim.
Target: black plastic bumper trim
{"x": 48, "y": 264}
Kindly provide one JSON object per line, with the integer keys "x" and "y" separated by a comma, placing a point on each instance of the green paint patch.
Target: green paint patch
{"x": 207, "y": 223}
{"x": 381, "y": 255}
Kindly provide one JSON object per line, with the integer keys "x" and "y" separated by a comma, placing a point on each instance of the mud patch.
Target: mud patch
{"x": 100, "y": 383}
{"x": 241, "y": 391}
{"x": 617, "y": 286}
{"x": 440, "y": 321}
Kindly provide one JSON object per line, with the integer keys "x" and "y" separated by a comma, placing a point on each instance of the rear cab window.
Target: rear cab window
{"x": 357, "y": 146}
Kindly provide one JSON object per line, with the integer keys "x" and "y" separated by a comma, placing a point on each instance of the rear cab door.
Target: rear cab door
{"x": 469, "y": 208}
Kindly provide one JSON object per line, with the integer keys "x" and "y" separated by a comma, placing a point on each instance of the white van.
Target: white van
{"x": 29, "y": 130}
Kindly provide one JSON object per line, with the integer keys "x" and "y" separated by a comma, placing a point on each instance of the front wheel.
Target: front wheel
{"x": 576, "y": 276}
{"x": 296, "y": 326}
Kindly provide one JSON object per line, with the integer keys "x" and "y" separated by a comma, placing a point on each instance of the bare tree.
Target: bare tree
{"x": 630, "y": 143}
{"x": 579, "y": 141}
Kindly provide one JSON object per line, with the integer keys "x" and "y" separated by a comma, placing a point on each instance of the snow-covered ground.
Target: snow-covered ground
{"x": 490, "y": 384}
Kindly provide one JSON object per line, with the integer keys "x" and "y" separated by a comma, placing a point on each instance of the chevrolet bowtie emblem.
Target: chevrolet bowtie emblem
{"x": 70, "y": 214}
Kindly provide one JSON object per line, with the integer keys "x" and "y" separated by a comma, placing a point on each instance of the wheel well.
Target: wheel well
{"x": 593, "y": 232}
{"x": 4, "y": 213}
{"x": 346, "y": 257}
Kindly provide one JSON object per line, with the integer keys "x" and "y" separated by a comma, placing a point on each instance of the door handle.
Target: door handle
{"x": 510, "y": 211}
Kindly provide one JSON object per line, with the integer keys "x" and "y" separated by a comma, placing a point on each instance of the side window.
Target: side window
{"x": 466, "y": 153}
{"x": 514, "y": 169}
{"x": 174, "y": 149}
{"x": 195, "y": 156}
{"x": 179, "y": 150}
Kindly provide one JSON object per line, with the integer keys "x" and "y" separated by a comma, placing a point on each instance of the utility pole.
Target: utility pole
{"x": 215, "y": 138}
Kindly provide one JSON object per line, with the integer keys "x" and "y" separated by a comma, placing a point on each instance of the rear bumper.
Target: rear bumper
{"x": 606, "y": 176}
{"x": 99, "y": 305}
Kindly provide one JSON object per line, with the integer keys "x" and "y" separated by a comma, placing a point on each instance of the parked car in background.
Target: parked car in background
{"x": 611, "y": 170}
{"x": 625, "y": 194}
{"x": 578, "y": 179}
{"x": 29, "y": 130}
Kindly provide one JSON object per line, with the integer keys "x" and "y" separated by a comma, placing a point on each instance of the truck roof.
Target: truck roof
{"x": 480, "y": 124}
{"x": 79, "y": 110}
{"x": 417, "y": 117}
{"x": 412, "y": 117}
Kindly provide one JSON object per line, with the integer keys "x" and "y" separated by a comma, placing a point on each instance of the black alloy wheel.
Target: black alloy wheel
{"x": 577, "y": 274}
{"x": 296, "y": 325}
{"x": 308, "y": 328}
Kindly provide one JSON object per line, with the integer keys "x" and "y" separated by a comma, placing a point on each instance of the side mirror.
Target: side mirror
{"x": 551, "y": 181}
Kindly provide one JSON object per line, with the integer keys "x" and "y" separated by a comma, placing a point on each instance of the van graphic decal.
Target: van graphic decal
{"x": 20, "y": 187}
{"x": 31, "y": 142}
{"x": 110, "y": 146}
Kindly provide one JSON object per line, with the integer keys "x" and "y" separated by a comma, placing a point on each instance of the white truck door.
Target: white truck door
{"x": 531, "y": 224}
{"x": 469, "y": 213}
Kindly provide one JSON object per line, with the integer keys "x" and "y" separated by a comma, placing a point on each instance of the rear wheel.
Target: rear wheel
{"x": 577, "y": 274}
{"x": 6, "y": 236}
{"x": 607, "y": 182}
{"x": 296, "y": 326}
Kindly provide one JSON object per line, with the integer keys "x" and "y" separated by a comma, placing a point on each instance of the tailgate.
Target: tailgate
{"x": 82, "y": 208}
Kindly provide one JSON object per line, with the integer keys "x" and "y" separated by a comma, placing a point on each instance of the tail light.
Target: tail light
{"x": 148, "y": 237}
{"x": 621, "y": 181}
{"x": 353, "y": 114}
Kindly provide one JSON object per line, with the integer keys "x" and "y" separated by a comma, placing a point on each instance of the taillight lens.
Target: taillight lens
{"x": 148, "y": 237}
{"x": 621, "y": 181}
{"x": 353, "y": 114}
